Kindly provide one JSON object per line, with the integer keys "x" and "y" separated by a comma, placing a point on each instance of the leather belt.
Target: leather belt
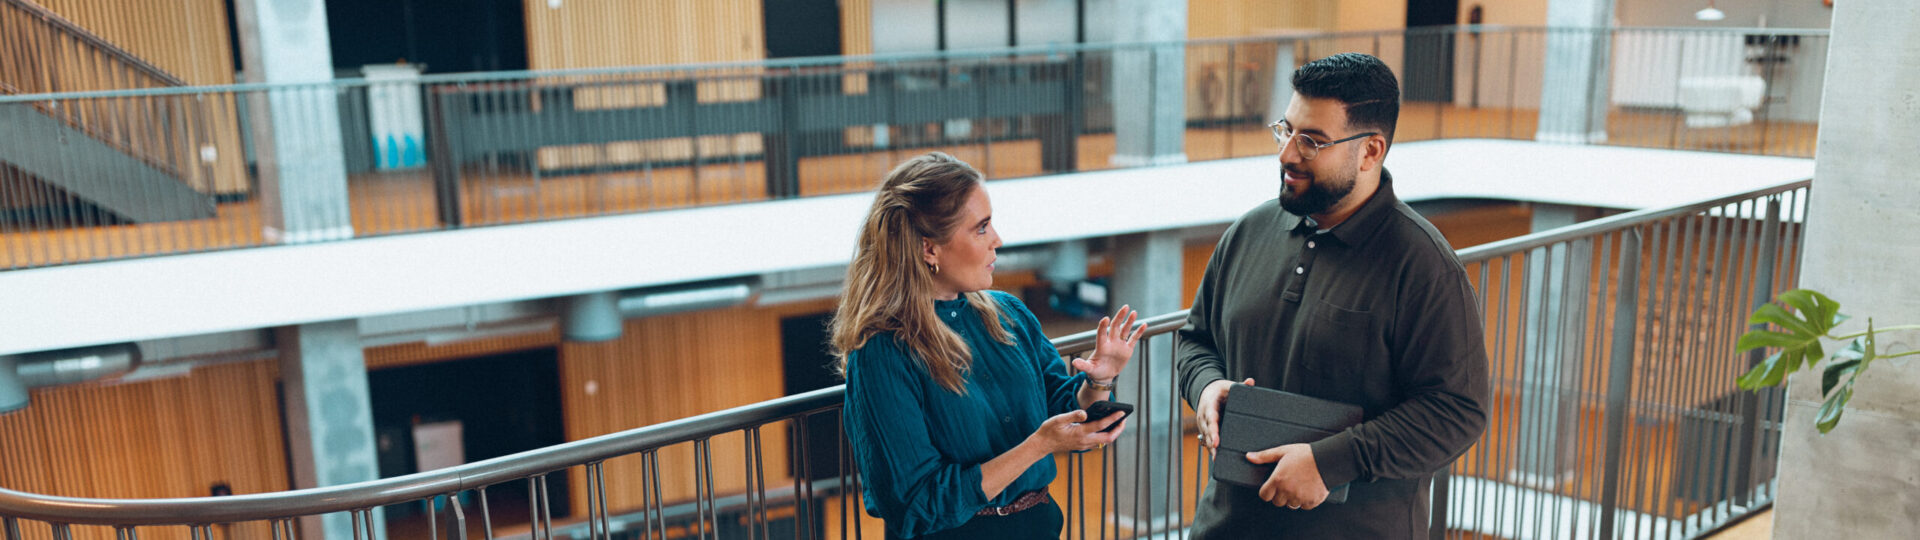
{"x": 1029, "y": 500}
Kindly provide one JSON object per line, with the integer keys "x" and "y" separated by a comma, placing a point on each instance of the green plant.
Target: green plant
{"x": 1797, "y": 334}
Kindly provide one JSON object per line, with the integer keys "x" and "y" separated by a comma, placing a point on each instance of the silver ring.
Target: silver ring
{"x": 1294, "y": 506}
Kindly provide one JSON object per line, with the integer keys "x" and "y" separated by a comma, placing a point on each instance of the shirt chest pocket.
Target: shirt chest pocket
{"x": 1341, "y": 342}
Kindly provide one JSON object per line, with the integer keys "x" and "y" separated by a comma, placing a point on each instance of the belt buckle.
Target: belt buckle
{"x": 1002, "y": 511}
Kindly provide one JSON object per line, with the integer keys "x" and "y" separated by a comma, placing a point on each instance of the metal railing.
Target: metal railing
{"x": 1613, "y": 415}
{"x": 484, "y": 149}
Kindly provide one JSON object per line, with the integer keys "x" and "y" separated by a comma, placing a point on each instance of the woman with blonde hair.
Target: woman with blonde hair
{"x": 956, "y": 401}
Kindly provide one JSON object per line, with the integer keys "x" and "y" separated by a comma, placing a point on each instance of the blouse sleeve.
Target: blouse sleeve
{"x": 1059, "y": 390}
{"x": 915, "y": 489}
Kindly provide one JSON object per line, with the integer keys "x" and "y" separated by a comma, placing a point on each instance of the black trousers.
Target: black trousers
{"x": 1042, "y": 522}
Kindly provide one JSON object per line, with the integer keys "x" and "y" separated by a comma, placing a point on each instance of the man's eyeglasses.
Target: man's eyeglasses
{"x": 1309, "y": 148}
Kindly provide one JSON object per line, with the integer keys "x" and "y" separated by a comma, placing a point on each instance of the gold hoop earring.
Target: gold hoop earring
{"x": 936, "y": 268}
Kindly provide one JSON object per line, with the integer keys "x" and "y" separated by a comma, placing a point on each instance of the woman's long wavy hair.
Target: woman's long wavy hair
{"x": 889, "y": 286}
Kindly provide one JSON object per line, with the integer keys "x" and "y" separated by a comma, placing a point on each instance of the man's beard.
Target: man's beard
{"x": 1321, "y": 193}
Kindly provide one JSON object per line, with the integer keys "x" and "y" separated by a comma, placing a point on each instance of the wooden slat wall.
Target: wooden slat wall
{"x": 171, "y": 437}
{"x": 407, "y": 354}
{"x": 607, "y": 33}
{"x": 672, "y": 367}
{"x": 187, "y": 38}
{"x": 615, "y": 33}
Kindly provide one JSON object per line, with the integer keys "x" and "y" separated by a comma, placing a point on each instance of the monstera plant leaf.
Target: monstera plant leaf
{"x": 1795, "y": 335}
{"x": 1797, "y": 338}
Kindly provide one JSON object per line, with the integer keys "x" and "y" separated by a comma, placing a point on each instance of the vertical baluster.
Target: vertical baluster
{"x": 1142, "y": 449}
{"x": 757, "y": 488}
{"x": 699, "y": 487}
{"x": 593, "y": 500}
{"x": 458, "y": 529}
{"x": 433, "y": 528}
{"x": 546, "y": 509}
{"x": 1074, "y": 480}
{"x": 656, "y": 513}
{"x": 803, "y": 482}
{"x": 847, "y": 497}
{"x": 606, "y": 518}
{"x": 533, "y": 508}
{"x": 10, "y": 527}
{"x": 486, "y": 516}
{"x": 358, "y": 532}
{"x": 1109, "y": 468}
{"x": 1175, "y": 434}
{"x": 593, "y": 503}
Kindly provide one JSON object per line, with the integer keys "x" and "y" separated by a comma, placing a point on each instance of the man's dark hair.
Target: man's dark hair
{"x": 1364, "y": 83}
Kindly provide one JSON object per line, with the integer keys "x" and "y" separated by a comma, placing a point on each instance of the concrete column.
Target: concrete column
{"x": 296, "y": 129}
{"x": 329, "y": 416}
{"x": 1149, "y": 83}
{"x": 1859, "y": 481}
{"x": 1555, "y": 320}
{"x": 1147, "y": 271}
{"x": 1573, "y": 96}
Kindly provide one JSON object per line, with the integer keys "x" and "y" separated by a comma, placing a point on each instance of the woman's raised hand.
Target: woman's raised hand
{"x": 1112, "y": 345}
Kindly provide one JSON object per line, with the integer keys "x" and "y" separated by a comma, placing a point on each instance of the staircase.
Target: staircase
{"x": 131, "y": 157}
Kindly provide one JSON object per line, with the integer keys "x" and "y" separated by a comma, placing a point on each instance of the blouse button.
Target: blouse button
{"x": 1299, "y": 270}
{"x": 1309, "y": 244}
{"x": 953, "y": 314}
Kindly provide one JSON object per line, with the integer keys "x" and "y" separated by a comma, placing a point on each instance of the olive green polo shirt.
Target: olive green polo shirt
{"x": 1376, "y": 312}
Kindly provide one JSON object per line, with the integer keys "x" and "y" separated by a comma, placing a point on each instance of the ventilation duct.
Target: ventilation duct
{"x": 599, "y": 316}
{"x": 18, "y": 373}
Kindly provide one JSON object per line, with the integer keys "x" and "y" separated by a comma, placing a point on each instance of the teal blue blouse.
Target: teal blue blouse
{"x": 919, "y": 446}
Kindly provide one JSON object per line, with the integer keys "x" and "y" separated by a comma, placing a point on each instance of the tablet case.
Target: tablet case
{"x": 1258, "y": 418}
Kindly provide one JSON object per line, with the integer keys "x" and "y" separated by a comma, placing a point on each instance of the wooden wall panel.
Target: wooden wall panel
{"x": 610, "y": 33}
{"x": 672, "y": 367}
{"x": 407, "y": 354}
{"x": 618, "y": 33}
{"x": 187, "y": 38}
{"x": 162, "y": 438}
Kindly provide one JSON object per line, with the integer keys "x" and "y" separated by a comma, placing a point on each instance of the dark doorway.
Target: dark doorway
{"x": 800, "y": 28}
{"x": 809, "y": 367}
{"x": 447, "y": 36}
{"x": 503, "y": 404}
{"x": 1427, "y": 74}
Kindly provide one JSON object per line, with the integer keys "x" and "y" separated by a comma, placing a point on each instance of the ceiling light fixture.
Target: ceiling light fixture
{"x": 1710, "y": 14}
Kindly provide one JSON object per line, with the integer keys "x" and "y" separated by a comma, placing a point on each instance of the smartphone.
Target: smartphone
{"x": 1103, "y": 409}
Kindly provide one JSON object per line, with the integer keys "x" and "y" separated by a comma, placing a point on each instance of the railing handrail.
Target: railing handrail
{"x": 417, "y": 486}
{"x": 817, "y": 61}
{"x": 1521, "y": 244}
{"x": 68, "y": 27}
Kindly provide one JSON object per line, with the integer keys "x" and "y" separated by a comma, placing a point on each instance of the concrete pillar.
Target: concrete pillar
{"x": 1555, "y": 322}
{"x": 296, "y": 129}
{"x": 1147, "y": 272}
{"x": 329, "y": 414}
{"x": 1573, "y": 96}
{"x": 1860, "y": 480}
{"x": 1149, "y": 83}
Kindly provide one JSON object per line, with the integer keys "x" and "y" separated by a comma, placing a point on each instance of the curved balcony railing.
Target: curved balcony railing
{"x": 466, "y": 150}
{"x": 1613, "y": 415}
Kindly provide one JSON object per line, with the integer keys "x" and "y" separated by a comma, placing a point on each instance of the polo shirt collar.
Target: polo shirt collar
{"x": 1361, "y": 226}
